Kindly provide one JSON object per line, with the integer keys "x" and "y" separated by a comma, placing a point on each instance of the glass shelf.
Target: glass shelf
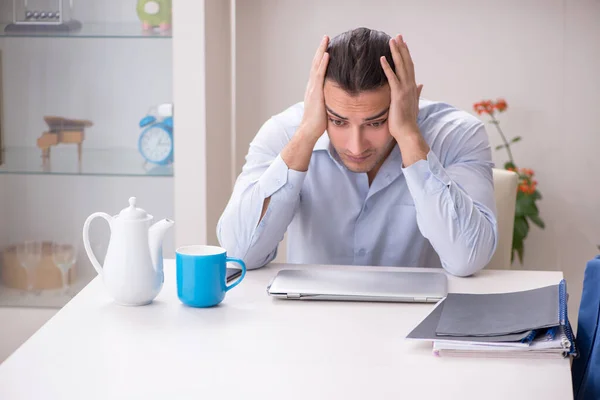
{"x": 95, "y": 30}
{"x": 49, "y": 298}
{"x": 63, "y": 161}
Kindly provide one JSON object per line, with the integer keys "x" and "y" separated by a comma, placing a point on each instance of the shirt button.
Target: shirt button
{"x": 361, "y": 252}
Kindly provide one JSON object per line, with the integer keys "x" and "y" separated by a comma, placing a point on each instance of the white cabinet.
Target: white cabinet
{"x": 91, "y": 86}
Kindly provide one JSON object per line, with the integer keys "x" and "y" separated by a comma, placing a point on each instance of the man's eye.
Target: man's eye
{"x": 336, "y": 122}
{"x": 377, "y": 124}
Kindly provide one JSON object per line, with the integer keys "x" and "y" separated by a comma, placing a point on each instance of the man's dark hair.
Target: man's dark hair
{"x": 354, "y": 60}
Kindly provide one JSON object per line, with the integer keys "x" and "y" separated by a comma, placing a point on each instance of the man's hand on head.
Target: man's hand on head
{"x": 404, "y": 105}
{"x": 314, "y": 120}
{"x": 298, "y": 151}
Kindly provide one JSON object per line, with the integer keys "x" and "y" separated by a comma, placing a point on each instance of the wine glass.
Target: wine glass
{"x": 64, "y": 256}
{"x": 29, "y": 254}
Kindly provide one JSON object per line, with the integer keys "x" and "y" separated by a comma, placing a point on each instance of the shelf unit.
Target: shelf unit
{"x": 195, "y": 190}
{"x": 49, "y": 199}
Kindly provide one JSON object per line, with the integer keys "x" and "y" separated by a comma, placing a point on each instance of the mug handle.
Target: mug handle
{"x": 243, "y": 265}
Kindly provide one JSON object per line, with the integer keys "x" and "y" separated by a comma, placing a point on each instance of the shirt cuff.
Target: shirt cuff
{"x": 428, "y": 175}
{"x": 279, "y": 175}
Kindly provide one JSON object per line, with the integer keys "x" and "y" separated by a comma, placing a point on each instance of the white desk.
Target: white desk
{"x": 256, "y": 347}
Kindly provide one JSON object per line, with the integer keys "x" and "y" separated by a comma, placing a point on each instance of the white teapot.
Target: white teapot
{"x": 133, "y": 266}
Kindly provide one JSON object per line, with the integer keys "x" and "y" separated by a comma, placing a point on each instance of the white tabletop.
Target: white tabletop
{"x": 255, "y": 347}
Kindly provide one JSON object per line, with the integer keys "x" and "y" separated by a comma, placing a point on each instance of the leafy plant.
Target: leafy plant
{"x": 527, "y": 195}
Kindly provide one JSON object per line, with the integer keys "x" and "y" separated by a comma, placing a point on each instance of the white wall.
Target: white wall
{"x": 202, "y": 89}
{"x": 218, "y": 111}
{"x": 543, "y": 56}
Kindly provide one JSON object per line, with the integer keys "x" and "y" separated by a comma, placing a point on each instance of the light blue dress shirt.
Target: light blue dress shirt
{"x": 438, "y": 212}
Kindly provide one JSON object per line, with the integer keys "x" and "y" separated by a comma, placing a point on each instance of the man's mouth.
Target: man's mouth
{"x": 358, "y": 159}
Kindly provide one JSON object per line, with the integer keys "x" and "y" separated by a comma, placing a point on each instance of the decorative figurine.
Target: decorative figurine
{"x": 155, "y": 13}
{"x": 62, "y": 130}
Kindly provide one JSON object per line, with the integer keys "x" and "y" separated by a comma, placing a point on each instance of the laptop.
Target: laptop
{"x": 359, "y": 285}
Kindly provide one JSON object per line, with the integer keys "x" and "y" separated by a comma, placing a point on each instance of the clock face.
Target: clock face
{"x": 156, "y": 144}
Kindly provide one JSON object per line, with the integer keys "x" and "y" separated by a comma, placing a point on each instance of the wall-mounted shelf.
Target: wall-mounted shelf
{"x": 132, "y": 30}
{"x": 96, "y": 162}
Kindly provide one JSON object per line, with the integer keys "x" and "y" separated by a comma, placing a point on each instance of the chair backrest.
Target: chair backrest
{"x": 505, "y": 193}
{"x": 586, "y": 367}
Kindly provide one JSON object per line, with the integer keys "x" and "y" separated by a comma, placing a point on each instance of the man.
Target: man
{"x": 365, "y": 172}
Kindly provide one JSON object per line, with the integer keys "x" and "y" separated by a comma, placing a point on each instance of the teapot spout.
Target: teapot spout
{"x": 155, "y": 239}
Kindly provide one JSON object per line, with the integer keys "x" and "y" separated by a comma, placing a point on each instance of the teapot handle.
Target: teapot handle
{"x": 86, "y": 238}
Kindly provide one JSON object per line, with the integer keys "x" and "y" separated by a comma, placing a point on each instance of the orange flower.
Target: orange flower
{"x": 478, "y": 107}
{"x": 501, "y": 105}
{"x": 489, "y": 107}
{"x": 526, "y": 171}
{"x": 524, "y": 188}
{"x": 484, "y": 106}
{"x": 528, "y": 187}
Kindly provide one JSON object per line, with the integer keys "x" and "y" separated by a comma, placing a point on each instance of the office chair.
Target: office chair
{"x": 505, "y": 193}
{"x": 586, "y": 368}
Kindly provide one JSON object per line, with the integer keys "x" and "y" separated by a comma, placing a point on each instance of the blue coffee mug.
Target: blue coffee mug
{"x": 202, "y": 275}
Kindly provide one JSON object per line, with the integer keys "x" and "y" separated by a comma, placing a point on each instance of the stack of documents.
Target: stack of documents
{"x": 527, "y": 324}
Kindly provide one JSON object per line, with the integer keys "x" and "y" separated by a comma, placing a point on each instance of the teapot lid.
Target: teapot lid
{"x": 132, "y": 212}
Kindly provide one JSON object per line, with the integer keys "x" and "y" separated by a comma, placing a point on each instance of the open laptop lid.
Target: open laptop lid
{"x": 359, "y": 285}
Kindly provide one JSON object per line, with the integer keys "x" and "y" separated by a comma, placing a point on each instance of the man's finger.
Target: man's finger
{"x": 319, "y": 54}
{"x": 322, "y": 69}
{"x": 389, "y": 73}
{"x": 398, "y": 62}
{"x": 409, "y": 67}
{"x": 419, "y": 89}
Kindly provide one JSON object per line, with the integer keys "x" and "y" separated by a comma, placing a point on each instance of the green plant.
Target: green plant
{"x": 527, "y": 195}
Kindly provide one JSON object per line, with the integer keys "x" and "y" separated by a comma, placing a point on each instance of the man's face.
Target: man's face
{"x": 357, "y": 126}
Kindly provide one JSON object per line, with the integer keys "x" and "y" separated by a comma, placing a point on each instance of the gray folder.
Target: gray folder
{"x": 501, "y": 313}
{"x": 426, "y": 330}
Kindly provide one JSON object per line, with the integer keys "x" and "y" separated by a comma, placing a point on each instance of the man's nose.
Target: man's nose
{"x": 356, "y": 144}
